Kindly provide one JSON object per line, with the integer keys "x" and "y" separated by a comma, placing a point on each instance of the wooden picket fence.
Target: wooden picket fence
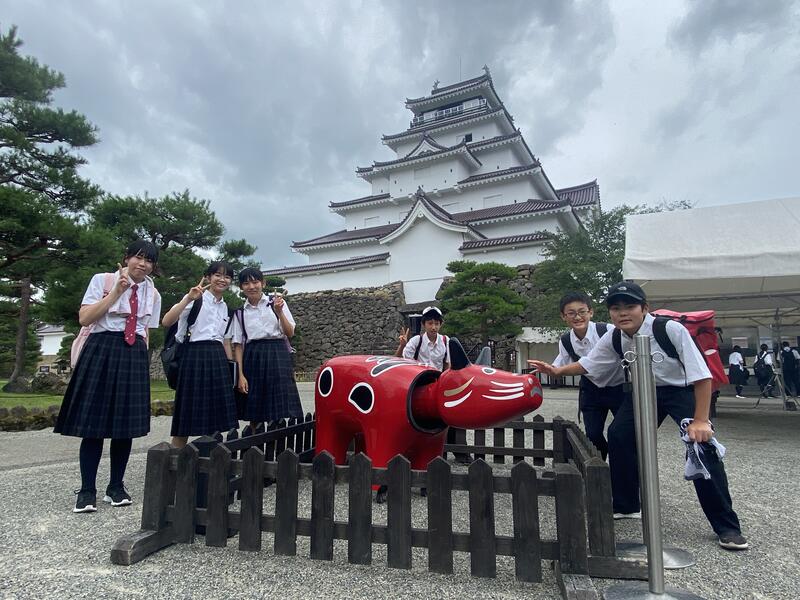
{"x": 191, "y": 491}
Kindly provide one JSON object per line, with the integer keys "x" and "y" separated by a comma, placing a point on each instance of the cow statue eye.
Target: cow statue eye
{"x": 489, "y": 370}
{"x": 325, "y": 383}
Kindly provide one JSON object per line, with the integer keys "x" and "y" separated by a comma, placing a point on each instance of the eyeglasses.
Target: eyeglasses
{"x": 572, "y": 314}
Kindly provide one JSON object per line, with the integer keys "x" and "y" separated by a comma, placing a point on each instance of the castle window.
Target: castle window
{"x": 468, "y": 137}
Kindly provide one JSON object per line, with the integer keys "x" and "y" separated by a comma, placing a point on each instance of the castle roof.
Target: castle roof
{"x": 509, "y": 240}
{"x": 581, "y": 196}
{"x": 440, "y": 151}
{"x": 446, "y": 93}
{"x": 467, "y": 116}
{"x": 356, "y": 261}
{"x": 501, "y": 173}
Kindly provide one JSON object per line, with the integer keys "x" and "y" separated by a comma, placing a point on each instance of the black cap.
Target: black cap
{"x": 625, "y": 289}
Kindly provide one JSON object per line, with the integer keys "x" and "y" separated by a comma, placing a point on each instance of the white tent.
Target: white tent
{"x": 742, "y": 260}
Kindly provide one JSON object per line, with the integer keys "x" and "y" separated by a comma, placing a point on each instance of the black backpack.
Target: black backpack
{"x": 173, "y": 349}
{"x": 760, "y": 367}
{"x": 788, "y": 360}
{"x": 566, "y": 340}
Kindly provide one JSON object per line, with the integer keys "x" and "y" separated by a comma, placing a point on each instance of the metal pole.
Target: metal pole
{"x": 644, "y": 397}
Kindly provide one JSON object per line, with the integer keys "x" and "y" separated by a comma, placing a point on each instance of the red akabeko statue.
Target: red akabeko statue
{"x": 395, "y": 406}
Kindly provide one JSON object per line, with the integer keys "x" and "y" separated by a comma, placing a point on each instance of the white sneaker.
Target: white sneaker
{"x": 738, "y": 396}
{"x": 633, "y": 515}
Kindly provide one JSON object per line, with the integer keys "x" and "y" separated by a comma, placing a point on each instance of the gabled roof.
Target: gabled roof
{"x": 510, "y": 240}
{"x": 437, "y": 213}
{"x": 440, "y": 95}
{"x": 461, "y": 148}
{"x": 438, "y": 91}
{"x": 333, "y": 265}
{"x": 457, "y": 120}
{"x": 500, "y": 173}
{"x": 347, "y": 235}
{"x": 506, "y": 210}
{"x": 581, "y": 196}
{"x": 362, "y": 200}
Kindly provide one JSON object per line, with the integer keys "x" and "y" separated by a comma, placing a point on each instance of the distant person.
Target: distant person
{"x": 737, "y": 374}
{"x": 789, "y": 364}
{"x": 109, "y": 392}
{"x": 429, "y": 347}
{"x": 763, "y": 370}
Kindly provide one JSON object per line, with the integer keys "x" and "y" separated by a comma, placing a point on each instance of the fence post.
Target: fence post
{"x": 286, "y": 492}
{"x": 252, "y": 495}
{"x": 440, "y": 516}
{"x": 398, "y": 513}
{"x": 599, "y": 509}
{"x": 538, "y": 440}
{"x": 525, "y": 508}
{"x": 322, "y": 493}
{"x": 185, "y": 494}
{"x": 570, "y": 520}
{"x": 159, "y": 487}
{"x": 480, "y": 440}
{"x": 482, "y": 545}
{"x": 558, "y": 441}
{"x": 359, "y": 523}
{"x": 499, "y": 442}
{"x": 204, "y": 446}
{"x": 217, "y": 511}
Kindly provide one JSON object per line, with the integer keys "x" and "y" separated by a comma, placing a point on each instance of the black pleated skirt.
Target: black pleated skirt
{"x": 108, "y": 395}
{"x": 272, "y": 391}
{"x": 204, "y": 393}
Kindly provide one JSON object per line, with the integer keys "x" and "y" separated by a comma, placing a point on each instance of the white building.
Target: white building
{"x": 464, "y": 186}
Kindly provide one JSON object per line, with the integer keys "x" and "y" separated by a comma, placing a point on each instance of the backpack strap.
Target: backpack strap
{"x": 239, "y": 314}
{"x": 566, "y": 341}
{"x": 616, "y": 342}
{"x": 660, "y": 333}
{"x": 601, "y": 329}
{"x": 192, "y": 317}
{"x": 419, "y": 345}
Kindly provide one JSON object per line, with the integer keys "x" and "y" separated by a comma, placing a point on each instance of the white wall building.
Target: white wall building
{"x": 464, "y": 186}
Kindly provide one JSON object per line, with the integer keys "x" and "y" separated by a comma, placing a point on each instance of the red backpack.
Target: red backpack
{"x": 705, "y": 335}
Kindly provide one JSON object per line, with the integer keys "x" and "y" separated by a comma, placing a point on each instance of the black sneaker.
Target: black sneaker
{"x": 733, "y": 541}
{"x": 117, "y": 496}
{"x": 86, "y": 501}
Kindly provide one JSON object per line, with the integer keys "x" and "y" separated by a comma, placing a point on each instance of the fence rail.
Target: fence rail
{"x": 191, "y": 491}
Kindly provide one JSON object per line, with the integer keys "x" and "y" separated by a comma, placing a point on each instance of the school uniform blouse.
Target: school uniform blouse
{"x": 211, "y": 323}
{"x": 260, "y": 322}
{"x": 603, "y": 361}
{"x": 735, "y": 359}
{"x": 149, "y": 305}
{"x": 431, "y": 353}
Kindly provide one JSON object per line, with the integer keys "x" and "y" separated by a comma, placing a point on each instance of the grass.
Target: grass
{"x": 159, "y": 390}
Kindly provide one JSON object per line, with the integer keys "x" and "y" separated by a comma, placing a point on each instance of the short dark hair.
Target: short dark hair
{"x": 786, "y": 344}
{"x": 574, "y": 297}
{"x": 219, "y": 266}
{"x": 432, "y": 313}
{"x": 144, "y": 249}
{"x": 764, "y": 347}
{"x": 737, "y": 348}
{"x": 250, "y": 274}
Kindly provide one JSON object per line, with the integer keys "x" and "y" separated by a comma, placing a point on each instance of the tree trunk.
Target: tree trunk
{"x": 16, "y": 383}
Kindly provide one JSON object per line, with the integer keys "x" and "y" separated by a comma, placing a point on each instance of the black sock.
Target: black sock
{"x": 89, "y": 458}
{"x": 120, "y": 452}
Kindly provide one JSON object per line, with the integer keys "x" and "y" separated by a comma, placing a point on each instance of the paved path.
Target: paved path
{"x": 48, "y": 552}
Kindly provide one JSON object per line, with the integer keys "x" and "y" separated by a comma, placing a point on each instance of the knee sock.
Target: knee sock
{"x": 120, "y": 453}
{"x": 89, "y": 458}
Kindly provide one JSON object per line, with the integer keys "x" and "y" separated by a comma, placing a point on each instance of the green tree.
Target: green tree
{"x": 9, "y": 312}
{"x": 478, "y": 301}
{"x": 41, "y": 193}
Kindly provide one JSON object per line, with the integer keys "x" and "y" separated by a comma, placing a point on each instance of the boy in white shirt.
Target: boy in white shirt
{"x": 683, "y": 391}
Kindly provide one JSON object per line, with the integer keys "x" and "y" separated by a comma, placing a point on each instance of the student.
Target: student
{"x": 762, "y": 368}
{"x": 108, "y": 395}
{"x": 594, "y": 402}
{"x": 789, "y": 366}
{"x": 683, "y": 390}
{"x": 260, "y": 332}
{"x": 204, "y": 400}
{"x": 430, "y": 348}
{"x": 736, "y": 373}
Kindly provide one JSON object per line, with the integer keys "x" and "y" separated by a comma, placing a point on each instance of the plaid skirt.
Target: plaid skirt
{"x": 108, "y": 395}
{"x": 272, "y": 391}
{"x": 204, "y": 393}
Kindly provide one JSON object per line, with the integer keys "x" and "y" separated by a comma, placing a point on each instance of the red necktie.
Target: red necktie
{"x": 130, "y": 322}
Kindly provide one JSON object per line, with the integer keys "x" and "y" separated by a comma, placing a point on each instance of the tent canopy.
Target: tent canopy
{"x": 742, "y": 260}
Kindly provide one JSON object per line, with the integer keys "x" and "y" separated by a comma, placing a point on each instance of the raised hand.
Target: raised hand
{"x": 403, "y": 337}
{"x": 197, "y": 291}
{"x": 542, "y": 367}
{"x": 278, "y": 303}
{"x": 122, "y": 280}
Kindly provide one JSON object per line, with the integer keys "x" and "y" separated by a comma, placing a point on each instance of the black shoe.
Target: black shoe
{"x": 86, "y": 501}
{"x": 733, "y": 541}
{"x": 117, "y": 496}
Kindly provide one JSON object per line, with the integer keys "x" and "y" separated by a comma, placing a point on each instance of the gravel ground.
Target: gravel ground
{"x": 47, "y": 551}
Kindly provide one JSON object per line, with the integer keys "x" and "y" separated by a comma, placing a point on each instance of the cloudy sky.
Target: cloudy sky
{"x": 266, "y": 108}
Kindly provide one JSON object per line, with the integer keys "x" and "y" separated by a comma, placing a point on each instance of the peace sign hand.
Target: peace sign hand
{"x": 197, "y": 291}
{"x": 122, "y": 280}
{"x": 278, "y": 303}
{"x": 403, "y": 337}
